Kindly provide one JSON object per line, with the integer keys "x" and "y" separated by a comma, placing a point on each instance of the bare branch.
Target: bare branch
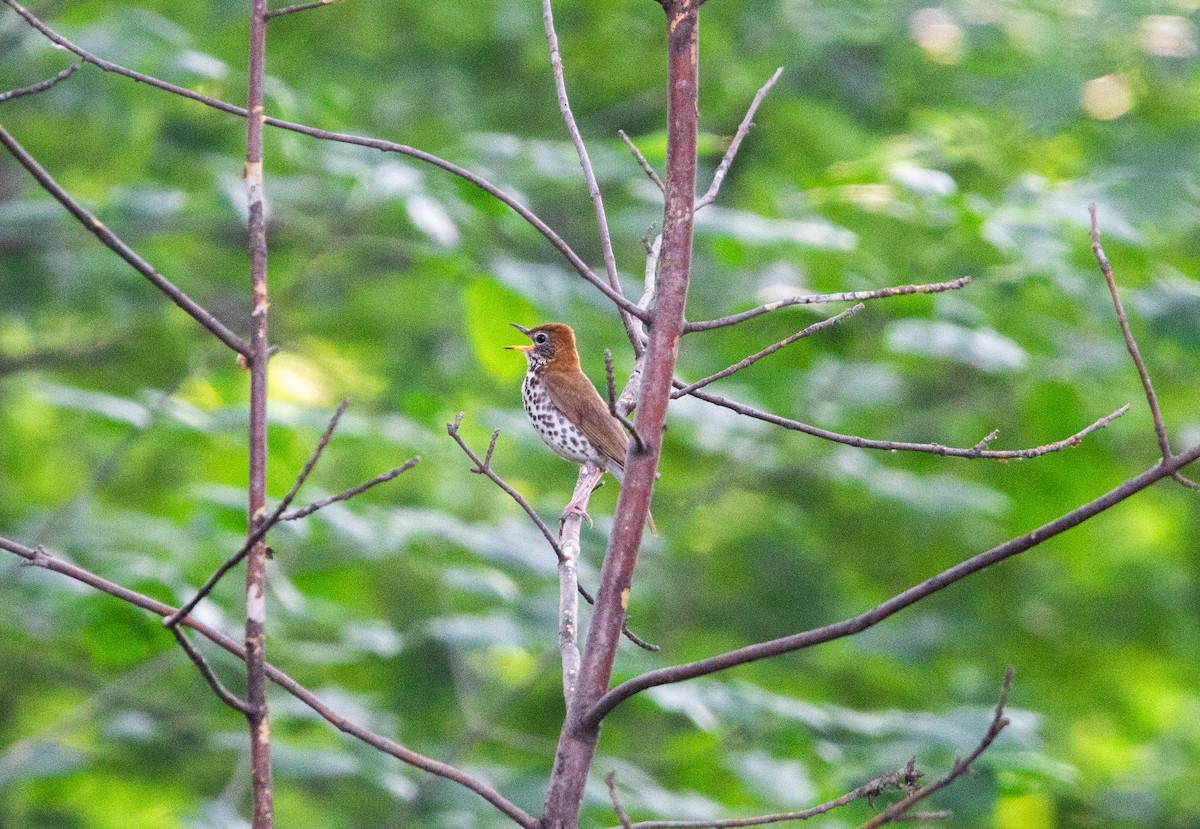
{"x": 1160, "y": 429}
{"x": 257, "y": 714}
{"x": 768, "y": 351}
{"x": 41, "y": 86}
{"x": 38, "y": 557}
{"x": 815, "y": 299}
{"x": 483, "y": 184}
{"x": 589, "y": 175}
{"x": 568, "y": 592}
{"x": 577, "y": 741}
{"x": 391, "y": 474}
{"x": 611, "y": 780}
{"x": 220, "y": 690}
{"x": 114, "y": 243}
{"x": 641, "y": 160}
{"x": 301, "y": 7}
{"x": 976, "y": 451}
{"x": 747, "y": 122}
{"x": 904, "y": 779}
{"x": 856, "y": 624}
{"x": 896, "y": 811}
{"x": 1188, "y": 482}
{"x": 264, "y": 525}
{"x": 612, "y": 403}
{"x": 483, "y": 467}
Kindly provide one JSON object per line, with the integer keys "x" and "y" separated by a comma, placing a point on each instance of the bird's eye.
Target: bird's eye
{"x": 540, "y": 338}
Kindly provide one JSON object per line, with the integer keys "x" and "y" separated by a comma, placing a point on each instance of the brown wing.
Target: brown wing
{"x": 576, "y": 397}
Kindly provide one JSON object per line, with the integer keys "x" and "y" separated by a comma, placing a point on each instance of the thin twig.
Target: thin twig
{"x": 301, "y": 7}
{"x": 264, "y": 525}
{"x": 589, "y": 175}
{"x": 612, "y": 403}
{"x": 611, "y": 780}
{"x": 641, "y": 160}
{"x": 483, "y": 184}
{"x": 856, "y": 624}
{"x": 895, "y": 812}
{"x": 905, "y": 779}
{"x": 975, "y": 452}
{"x": 743, "y": 128}
{"x": 1188, "y": 482}
{"x": 815, "y": 299}
{"x": 383, "y": 478}
{"x": 483, "y": 467}
{"x": 768, "y": 351}
{"x": 1160, "y": 429}
{"x": 38, "y": 557}
{"x": 226, "y": 696}
{"x": 114, "y": 243}
{"x": 41, "y": 86}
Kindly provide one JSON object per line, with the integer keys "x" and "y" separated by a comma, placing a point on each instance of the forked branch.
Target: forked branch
{"x": 38, "y": 557}
{"x": 484, "y": 467}
{"x": 897, "y": 812}
{"x": 280, "y": 513}
{"x": 857, "y": 624}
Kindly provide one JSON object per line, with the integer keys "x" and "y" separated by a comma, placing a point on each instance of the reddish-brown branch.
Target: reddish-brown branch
{"x": 483, "y": 184}
{"x": 743, "y": 128}
{"x": 1160, "y": 429}
{"x": 577, "y": 741}
{"x": 257, "y": 717}
{"x": 857, "y": 624}
{"x": 979, "y": 450}
{"x": 114, "y": 243}
{"x": 815, "y": 299}
{"x": 899, "y": 811}
{"x": 38, "y": 557}
{"x": 40, "y": 86}
{"x": 766, "y": 352}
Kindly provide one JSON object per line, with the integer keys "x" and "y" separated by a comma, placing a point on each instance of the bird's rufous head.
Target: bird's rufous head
{"x": 552, "y": 343}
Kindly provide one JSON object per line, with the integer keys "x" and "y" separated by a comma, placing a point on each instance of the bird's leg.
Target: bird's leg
{"x": 589, "y": 476}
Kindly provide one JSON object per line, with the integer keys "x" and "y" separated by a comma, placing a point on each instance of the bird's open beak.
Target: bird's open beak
{"x": 521, "y": 348}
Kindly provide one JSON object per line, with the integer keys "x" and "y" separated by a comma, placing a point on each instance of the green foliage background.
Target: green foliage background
{"x": 901, "y": 145}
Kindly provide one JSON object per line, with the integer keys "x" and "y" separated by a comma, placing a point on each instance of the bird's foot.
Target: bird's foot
{"x": 576, "y": 508}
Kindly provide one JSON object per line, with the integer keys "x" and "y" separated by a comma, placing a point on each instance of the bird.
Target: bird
{"x": 567, "y": 411}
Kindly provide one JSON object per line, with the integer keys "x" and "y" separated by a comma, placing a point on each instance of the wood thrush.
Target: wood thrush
{"x": 568, "y": 412}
